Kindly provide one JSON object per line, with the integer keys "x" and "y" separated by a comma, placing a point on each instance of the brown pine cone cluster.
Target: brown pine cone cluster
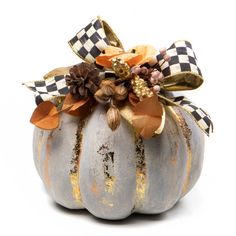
{"x": 83, "y": 80}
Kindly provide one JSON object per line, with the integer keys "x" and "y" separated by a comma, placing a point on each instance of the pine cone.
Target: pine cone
{"x": 83, "y": 80}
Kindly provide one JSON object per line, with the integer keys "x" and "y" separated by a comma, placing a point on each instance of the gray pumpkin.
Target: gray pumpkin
{"x": 113, "y": 174}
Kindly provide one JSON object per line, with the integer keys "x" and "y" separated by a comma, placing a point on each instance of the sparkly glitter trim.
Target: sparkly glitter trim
{"x": 47, "y": 159}
{"x": 141, "y": 169}
{"x": 187, "y": 135}
{"x": 74, "y": 172}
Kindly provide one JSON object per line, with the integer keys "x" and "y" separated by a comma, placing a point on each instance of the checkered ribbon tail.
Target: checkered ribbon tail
{"x": 48, "y": 89}
{"x": 55, "y": 86}
{"x": 203, "y": 120}
{"x": 182, "y": 60}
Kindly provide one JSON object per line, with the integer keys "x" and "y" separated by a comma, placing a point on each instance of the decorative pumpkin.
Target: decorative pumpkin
{"x": 113, "y": 174}
{"x": 111, "y": 135}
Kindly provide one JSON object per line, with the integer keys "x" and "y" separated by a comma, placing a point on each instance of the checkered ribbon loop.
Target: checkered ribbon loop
{"x": 55, "y": 86}
{"x": 92, "y": 40}
{"x": 181, "y": 72}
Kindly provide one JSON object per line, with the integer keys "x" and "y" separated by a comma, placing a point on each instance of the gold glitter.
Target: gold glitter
{"x": 109, "y": 184}
{"x": 75, "y": 187}
{"x": 121, "y": 68}
{"x": 187, "y": 135}
{"x": 141, "y": 178}
{"x": 107, "y": 203}
{"x": 39, "y": 146}
{"x": 74, "y": 172}
{"x": 46, "y": 162}
{"x": 140, "y": 88}
{"x": 108, "y": 167}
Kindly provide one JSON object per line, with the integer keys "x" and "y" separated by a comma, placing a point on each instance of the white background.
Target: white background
{"x": 33, "y": 40}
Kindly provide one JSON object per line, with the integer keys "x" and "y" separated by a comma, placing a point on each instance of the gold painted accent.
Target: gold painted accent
{"x": 174, "y": 154}
{"x": 74, "y": 172}
{"x": 141, "y": 169}
{"x": 39, "y": 146}
{"x": 121, "y": 68}
{"x": 182, "y": 81}
{"x": 109, "y": 184}
{"x": 187, "y": 135}
{"x": 108, "y": 167}
{"x": 75, "y": 187}
{"x": 107, "y": 203}
{"x": 47, "y": 159}
{"x": 111, "y": 36}
{"x": 56, "y": 72}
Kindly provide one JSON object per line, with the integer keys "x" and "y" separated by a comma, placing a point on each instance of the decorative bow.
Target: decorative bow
{"x": 135, "y": 84}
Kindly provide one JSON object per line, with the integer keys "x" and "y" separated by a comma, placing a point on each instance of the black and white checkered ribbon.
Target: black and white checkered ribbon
{"x": 182, "y": 59}
{"x": 55, "y": 86}
{"x": 90, "y": 42}
{"x": 201, "y": 117}
{"x": 48, "y": 89}
{"x": 182, "y": 68}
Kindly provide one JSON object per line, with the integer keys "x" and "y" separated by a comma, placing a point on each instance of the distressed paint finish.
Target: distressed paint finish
{"x": 119, "y": 173}
{"x": 62, "y": 145}
{"x": 116, "y": 200}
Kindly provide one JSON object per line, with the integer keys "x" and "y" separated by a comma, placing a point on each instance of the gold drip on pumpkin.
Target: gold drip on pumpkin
{"x": 74, "y": 172}
{"x": 141, "y": 169}
{"x": 39, "y": 146}
{"x": 47, "y": 159}
{"x": 187, "y": 135}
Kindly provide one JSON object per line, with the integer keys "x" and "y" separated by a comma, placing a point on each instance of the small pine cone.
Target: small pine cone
{"x": 83, "y": 80}
{"x": 113, "y": 117}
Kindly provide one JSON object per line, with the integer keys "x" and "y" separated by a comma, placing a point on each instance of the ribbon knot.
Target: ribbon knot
{"x": 97, "y": 44}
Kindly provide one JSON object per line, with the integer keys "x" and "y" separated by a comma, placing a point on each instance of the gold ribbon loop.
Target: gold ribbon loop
{"x": 182, "y": 81}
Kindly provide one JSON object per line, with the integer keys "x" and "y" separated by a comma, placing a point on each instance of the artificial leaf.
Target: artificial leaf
{"x": 76, "y": 107}
{"x": 111, "y": 50}
{"x": 71, "y": 104}
{"x": 148, "y": 116}
{"x": 146, "y": 51}
{"x": 149, "y": 106}
{"x": 133, "y": 99}
{"x": 45, "y": 116}
{"x": 136, "y": 56}
{"x": 146, "y": 125}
